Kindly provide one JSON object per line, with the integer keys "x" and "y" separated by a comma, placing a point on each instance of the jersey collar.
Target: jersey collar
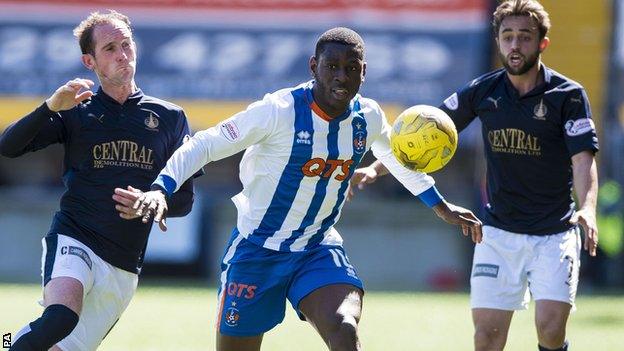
{"x": 133, "y": 99}
{"x": 317, "y": 109}
{"x": 539, "y": 89}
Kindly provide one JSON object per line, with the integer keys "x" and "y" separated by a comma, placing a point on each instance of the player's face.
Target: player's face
{"x": 114, "y": 60}
{"x": 519, "y": 44}
{"x": 338, "y": 73}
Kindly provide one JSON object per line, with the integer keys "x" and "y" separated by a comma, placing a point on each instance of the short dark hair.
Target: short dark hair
{"x": 530, "y": 8}
{"x": 84, "y": 31}
{"x": 340, "y": 35}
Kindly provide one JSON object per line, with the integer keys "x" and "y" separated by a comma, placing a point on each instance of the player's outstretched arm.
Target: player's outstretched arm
{"x": 19, "y": 134}
{"x": 457, "y": 215}
{"x": 585, "y": 178}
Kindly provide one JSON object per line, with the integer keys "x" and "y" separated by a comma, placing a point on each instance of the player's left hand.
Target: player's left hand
{"x": 125, "y": 199}
{"x": 587, "y": 220}
{"x": 453, "y": 214}
{"x": 152, "y": 203}
{"x": 361, "y": 177}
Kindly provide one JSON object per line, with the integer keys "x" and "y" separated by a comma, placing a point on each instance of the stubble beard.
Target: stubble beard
{"x": 529, "y": 62}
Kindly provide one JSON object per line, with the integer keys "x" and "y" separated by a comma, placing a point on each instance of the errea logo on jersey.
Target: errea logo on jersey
{"x": 303, "y": 137}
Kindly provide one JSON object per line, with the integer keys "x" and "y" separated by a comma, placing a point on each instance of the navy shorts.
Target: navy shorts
{"x": 255, "y": 283}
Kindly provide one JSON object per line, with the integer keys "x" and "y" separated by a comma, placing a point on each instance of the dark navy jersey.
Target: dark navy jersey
{"x": 529, "y": 142}
{"x": 109, "y": 145}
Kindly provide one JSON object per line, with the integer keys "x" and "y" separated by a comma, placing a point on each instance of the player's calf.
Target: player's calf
{"x": 56, "y": 322}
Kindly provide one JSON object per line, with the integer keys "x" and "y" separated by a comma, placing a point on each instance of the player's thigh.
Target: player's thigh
{"x": 65, "y": 291}
{"x": 238, "y": 343}
{"x": 554, "y": 274}
{"x": 498, "y": 279}
{"x": 252, "y": 291}
{"x": 326, "y": 282}
{"x": 103, "y": 306}
{"x": 332, "y": 305}
{"x": 67, "y": 271}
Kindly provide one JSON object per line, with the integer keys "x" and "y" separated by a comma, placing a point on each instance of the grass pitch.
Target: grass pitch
{"x": 180, "y": 316}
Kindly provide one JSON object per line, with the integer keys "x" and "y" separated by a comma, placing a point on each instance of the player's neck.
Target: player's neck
{"x": 526, "y": 82}
{"x": 119, "y": 93}
{"x": 326, "y": 108}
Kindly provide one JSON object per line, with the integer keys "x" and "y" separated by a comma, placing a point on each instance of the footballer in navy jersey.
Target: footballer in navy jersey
{"x": 107, "y": 145}
{"x": 540, "y": 142}
{"x": 529, "y": 141}
{"x": 113, "y": 138}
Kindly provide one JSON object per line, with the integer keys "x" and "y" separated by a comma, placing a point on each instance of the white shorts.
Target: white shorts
{"x": 505, "y": 264}
{"x": 107, "y": 289}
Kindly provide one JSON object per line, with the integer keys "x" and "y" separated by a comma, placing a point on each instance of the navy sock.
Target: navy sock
{"x": 562, "y": 348}
{"x": 56, "y": 322}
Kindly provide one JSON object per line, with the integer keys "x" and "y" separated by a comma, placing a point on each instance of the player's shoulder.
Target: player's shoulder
{"x": 282, "y": 98}
{"x": 167, "y": 107}
{"x": 486, "y": 81}
{"x": 368, "y": 105}
{"x": 560, "y": 82}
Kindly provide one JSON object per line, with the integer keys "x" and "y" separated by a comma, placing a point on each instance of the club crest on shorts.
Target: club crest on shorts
{"x": 232, "y": 315}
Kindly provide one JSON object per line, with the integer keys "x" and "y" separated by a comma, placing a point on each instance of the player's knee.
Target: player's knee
{"x": 550, "y": 331}
{"x": 344, "y": 335}
{"x": 489, "y": 339}
{"x": 56, "y": 322}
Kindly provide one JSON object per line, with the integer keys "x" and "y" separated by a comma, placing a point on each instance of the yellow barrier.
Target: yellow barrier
{"x": 579, "y": 49}
{"x": 202, "y": 114}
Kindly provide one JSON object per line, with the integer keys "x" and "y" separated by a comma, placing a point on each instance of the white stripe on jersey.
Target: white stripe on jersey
{"x": 296, "y": 167}
{"x": 335, "y": 256}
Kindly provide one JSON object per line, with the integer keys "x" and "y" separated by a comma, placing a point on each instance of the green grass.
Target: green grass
{"x": 181, "y": 317}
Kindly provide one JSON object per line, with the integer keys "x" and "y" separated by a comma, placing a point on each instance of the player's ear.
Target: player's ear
{"x": 313, "y": 65}
{"x": 88, "y": 61}
{"x": 544, "y": 44}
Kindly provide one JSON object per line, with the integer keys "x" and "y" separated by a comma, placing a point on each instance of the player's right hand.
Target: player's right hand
{"x": 69, "y": 95}
{"x": 361, "y": 177}
{"x": 453, "y": 214}
{"x": 152, "y": 203}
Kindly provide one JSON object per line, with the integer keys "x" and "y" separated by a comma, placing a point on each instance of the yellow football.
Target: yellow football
{"x": 423, "y": 138}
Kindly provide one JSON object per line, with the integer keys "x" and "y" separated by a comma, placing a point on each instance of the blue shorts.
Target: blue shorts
{"x": 255, "y": 283}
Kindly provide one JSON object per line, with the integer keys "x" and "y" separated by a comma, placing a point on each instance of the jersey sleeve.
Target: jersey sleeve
{"x": 183, "y": 134}
{"x": 35, "y": 131}
{"x": 225, "y": 139}
{"x": 459, "y": 106}
{"x": 414, "y": 181}
{"x": 578, "y": 126}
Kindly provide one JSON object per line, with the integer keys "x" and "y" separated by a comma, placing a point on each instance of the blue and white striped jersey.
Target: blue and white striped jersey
{"x": 297, "y": 165}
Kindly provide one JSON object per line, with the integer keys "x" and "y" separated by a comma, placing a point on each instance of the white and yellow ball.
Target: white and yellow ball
{"x": 423, "y": 138}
